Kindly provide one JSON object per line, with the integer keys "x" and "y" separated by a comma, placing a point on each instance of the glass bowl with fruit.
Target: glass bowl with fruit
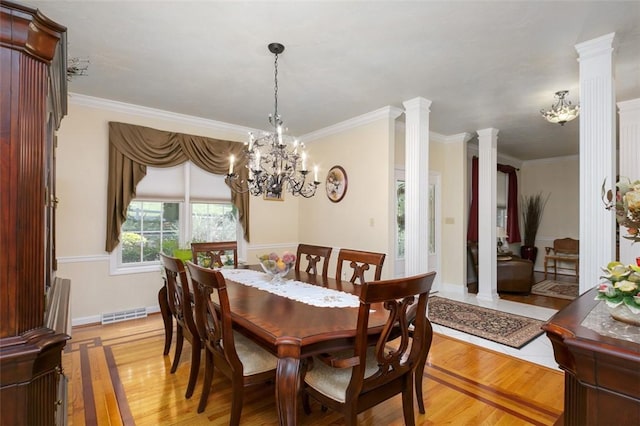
{"x": 275, "y": 266}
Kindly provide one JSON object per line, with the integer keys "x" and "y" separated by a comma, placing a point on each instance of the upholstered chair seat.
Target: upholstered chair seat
{"x": 332, "y": 382}
{"x": 254, "y": 358}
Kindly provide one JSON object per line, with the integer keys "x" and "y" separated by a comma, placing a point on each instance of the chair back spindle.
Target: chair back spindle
{"x": 209, "y": 255}
{"x": 360, "y": 262}
{"x": 313, "y": 256}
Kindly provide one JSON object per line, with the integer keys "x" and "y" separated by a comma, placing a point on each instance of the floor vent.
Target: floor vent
{"x": 124, "y": 315}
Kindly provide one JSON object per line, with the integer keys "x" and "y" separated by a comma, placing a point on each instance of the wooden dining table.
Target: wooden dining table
{"x": 293, "y": 330}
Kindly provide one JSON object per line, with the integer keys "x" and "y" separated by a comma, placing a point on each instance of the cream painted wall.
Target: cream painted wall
{"x": 454, "y": 214}
{"x": 82, "y": 162}
{"x": 361, "y": 220}
{"x": 559, "y": 178}
{"x": 450, "y": 161}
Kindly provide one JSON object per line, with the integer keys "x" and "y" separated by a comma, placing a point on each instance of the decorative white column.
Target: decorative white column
{"x": 629, "y": 155}
{"x": 487, "y": 247}
{"x": 597, "y": 156}
{"x": 417, "y": 186}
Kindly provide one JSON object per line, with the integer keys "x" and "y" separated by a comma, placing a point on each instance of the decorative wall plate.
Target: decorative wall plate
{"x": 336, "y": 184}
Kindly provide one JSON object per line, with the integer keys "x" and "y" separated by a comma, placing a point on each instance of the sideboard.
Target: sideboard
{"x": 601, "y": 360}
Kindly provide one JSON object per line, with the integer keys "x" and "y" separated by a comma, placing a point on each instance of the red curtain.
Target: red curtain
{"x": 513, "y": 227}
{"x": 472, "y": 230}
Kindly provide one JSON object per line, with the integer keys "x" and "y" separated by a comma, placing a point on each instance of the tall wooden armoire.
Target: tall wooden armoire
{"x": 33, "y": 90}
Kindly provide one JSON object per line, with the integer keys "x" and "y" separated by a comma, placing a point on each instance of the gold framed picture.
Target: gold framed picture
{"x": 273, "y": 196}
{"x": 336, "y": 184}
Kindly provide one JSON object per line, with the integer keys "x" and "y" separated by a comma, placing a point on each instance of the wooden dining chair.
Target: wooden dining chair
{"x": 244, "y": 362}
{"x": 313, "y": 255}
{"x": 422, "y": 361}
{"x": 180, "y": 305}
{"x": 360, "y": 261}
{"x": 210, "y": 254}
{"x": 356, "y": 380}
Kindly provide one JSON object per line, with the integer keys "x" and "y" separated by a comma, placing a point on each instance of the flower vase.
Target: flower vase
{"x": 622, "y": 313}
{"x": 529, "y": 253}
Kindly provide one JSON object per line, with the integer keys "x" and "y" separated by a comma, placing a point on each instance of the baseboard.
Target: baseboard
{"x": 96, "y": 319}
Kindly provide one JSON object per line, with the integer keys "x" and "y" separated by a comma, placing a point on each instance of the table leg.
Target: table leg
{"x": 287, "y": 378}
{"x": 166, "y": 318}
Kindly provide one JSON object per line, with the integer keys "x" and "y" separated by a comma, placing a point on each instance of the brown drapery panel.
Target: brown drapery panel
{"x": 132, "y": 148}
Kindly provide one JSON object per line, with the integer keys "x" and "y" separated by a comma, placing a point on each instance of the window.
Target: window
{"x": 171, "y": 211}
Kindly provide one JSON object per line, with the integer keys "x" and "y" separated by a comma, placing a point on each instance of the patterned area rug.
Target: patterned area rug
{"x": 557, "y": 289}
{"x": 501, "y": 327}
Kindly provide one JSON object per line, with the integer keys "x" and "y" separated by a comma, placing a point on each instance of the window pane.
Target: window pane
{"x": 131, "y": 247}
{"x": 152, "y": 216}
{"x": 151, "y": 247}
{"x": 213, "y": 222}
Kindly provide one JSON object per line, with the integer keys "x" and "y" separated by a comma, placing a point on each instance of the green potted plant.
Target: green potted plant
{"x": 172, "y": 248}
{"x": 532, "y": 209}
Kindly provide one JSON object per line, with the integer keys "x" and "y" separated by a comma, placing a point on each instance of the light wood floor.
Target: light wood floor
{"x": 118, "y": 376}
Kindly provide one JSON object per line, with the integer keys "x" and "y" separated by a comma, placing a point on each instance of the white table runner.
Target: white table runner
{"x": 295, "y": 290}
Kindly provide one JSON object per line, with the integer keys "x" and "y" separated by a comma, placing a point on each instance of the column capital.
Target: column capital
{"x": 419, "y": 103}
{"x": 629, "y": 106}
{"x": 490, "y": 132}
{"x": 596, "y": 46}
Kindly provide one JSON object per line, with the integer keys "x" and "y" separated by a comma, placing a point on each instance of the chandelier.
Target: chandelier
{"x": 276, "y": 162}
{"x": 562, "y": 111}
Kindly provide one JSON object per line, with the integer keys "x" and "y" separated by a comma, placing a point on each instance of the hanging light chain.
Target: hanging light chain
{"x": 275, "y": 90}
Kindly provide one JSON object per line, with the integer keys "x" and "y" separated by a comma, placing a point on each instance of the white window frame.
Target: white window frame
{"x": 116, "y": 267}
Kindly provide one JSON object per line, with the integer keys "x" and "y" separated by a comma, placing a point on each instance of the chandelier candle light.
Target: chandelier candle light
{"x": 562, "y": 111}
{"x": 273, "y": 165}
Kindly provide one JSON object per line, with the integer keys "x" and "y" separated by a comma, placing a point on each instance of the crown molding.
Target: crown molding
{"x": 460, "y": 137}
{"x": 141, "y": 111}
{"x": 472, "y": 149}
{"x": 388, "y": 112}
{"x": 551, "y": 160}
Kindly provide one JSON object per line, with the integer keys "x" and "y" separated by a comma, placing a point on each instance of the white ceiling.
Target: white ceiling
{"x": 482, "y": 63}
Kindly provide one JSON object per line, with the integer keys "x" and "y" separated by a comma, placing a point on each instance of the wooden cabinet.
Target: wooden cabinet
{"x": 601, "y": 360}
{"x": 33, "y": 101}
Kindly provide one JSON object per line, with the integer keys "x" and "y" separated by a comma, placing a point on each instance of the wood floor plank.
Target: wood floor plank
{"x": 463, "y": 384}
{"x": 107, "y": 411}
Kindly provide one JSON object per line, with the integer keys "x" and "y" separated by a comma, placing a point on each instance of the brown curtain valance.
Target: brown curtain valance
{"x": 132, "y": 148}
